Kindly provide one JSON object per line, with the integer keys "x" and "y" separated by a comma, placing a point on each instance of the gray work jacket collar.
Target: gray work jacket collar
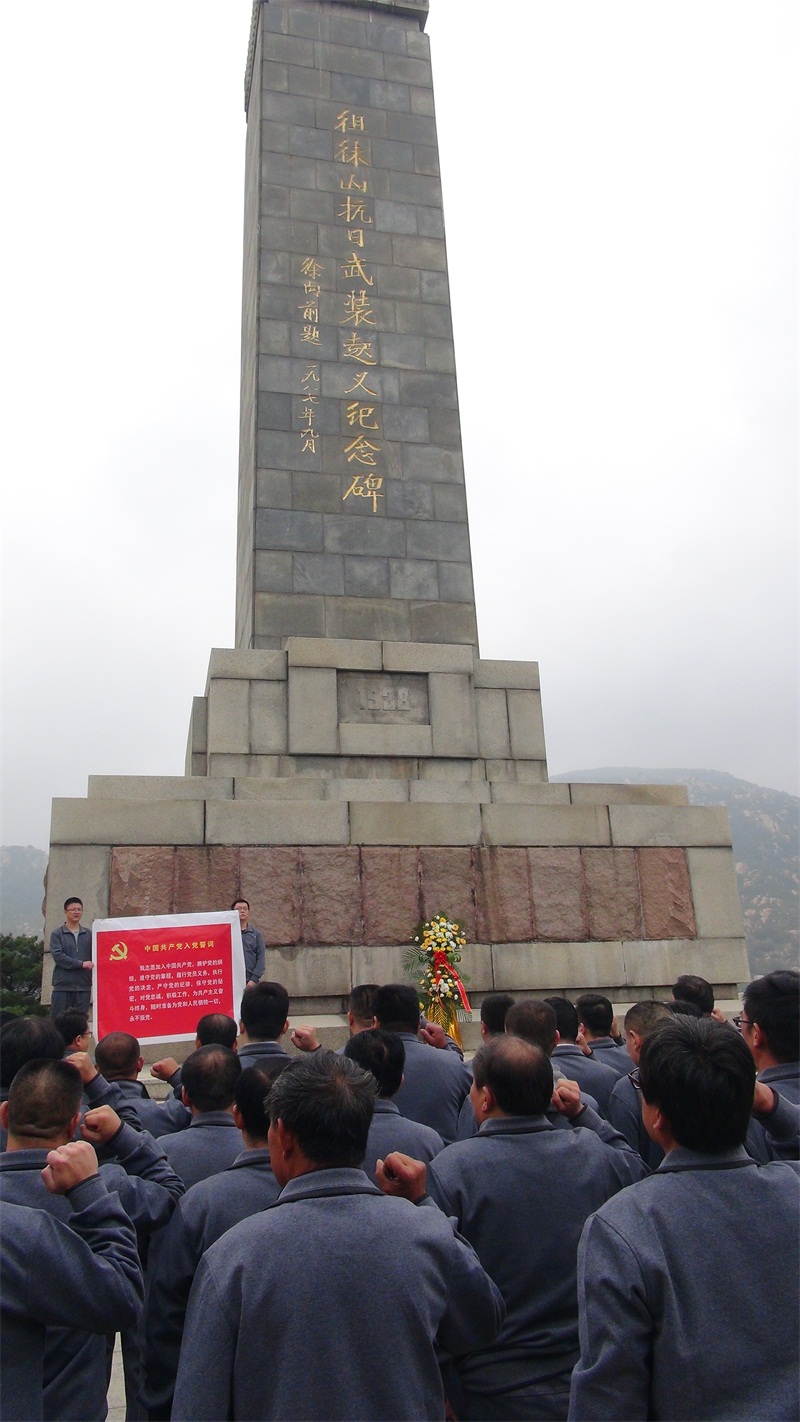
{"x": 683, "y": 1159}
{"x": 212, "y": 1118}
{"x": 337, "y": 1181}
{"x": 514, "y": 1126}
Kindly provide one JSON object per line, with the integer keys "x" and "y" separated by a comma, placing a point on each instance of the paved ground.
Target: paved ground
{"x": 116, "y": 1391}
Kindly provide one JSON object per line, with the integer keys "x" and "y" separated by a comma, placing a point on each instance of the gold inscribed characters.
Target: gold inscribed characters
{"x": 366, "y": 486}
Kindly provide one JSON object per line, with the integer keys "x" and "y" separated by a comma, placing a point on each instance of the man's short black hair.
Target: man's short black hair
{"x": 678, "y": 1008}
{"x": 773, "y": 1002}
{"x": 72, "y": 1022}
{"x": 241, "y": 900}
{"x": 28, "y": 1039}
{"x": 218, "y": 1027}
{"x": 250, "y": 1095}
{"x": 326, "y": 1101}
{"x": 117, "y": 1056}
{"x": 361, "y": 1002}
{"x": 701, "y": 1076}
{"x": 644, "y": 1015}
{"x": 535, "y": 1021}
{"x": 595, "y": 1012}
{"x": 494, "y": 1007}
{"x": 43, "y": 1098}
{"x": 690, "y": 988}
{"x": 264, "y": 1011}
{"x": 209, "y": 1077}
{"x": 73, "y": 899}
{"x": 383, "y": 1054}
{"x": 567, "y": 1021}
{"x": 397, "y": 1007}
{"x": 517, "y": 1072}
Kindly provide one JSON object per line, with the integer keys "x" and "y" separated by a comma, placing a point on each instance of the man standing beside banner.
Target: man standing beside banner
{"x": 253, "y": 945}
{"x": 71, "y": 947}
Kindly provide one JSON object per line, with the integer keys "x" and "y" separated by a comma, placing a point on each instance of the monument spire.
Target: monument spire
{"x": 352, "y": 507}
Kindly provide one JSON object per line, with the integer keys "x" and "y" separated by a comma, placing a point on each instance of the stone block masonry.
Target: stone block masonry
{"x": 352, "y": 514}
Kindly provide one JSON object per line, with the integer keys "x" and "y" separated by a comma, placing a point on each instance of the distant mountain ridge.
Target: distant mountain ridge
{"x": 765, "y": 829}
{"x": 22, "y": 871}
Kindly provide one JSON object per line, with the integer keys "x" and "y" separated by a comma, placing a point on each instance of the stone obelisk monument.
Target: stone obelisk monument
{"x": 355, "y": 764}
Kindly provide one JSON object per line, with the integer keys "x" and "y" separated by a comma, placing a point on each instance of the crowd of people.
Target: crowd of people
{"x": 579, "y": 1222}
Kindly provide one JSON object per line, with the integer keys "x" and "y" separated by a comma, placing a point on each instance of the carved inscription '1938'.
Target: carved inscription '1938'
{"x": 388, "y": 698}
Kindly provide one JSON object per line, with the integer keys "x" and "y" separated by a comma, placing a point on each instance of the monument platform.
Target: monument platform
{"x": 350, "y": 789}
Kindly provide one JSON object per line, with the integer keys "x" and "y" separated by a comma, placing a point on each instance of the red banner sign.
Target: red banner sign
{"x": 156, "y": 977}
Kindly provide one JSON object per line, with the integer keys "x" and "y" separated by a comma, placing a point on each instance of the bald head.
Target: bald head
{"x": 117, "y": 1056}
{"x": 517, "y": 1073}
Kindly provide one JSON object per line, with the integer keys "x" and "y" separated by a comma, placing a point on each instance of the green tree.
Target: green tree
{"x": 21, "y": 975}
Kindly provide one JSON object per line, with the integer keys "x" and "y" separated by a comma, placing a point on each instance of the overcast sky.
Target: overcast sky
{"x": 620, "y": 188}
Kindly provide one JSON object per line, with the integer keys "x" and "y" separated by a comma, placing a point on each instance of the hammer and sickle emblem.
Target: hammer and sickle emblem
{"x": 118, "y": 952}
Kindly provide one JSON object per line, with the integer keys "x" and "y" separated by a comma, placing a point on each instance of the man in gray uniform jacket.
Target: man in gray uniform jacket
{"x": 596, "y": 1014}
{"x": 688, "y": 1281}
{"x": 253, "y": 945}
{"x": 591, "y": 1074}
{"x": 71, "y": 948}
{"x": 383, "y": 1054}
{"x": 770, "y": 1025}
{"x": 625, "y": 1107}
{"x": 212, "y": 1141}
{"x": 41, "y": 1114}
{"x": 203, "y": 1215}
{"x": 520, "y": 1192}
{"x": 52, "y": 1272}
{"x": 325, "y": 1361}
{"x": 264, "y": 1020}
{"x": 435, "y": 1083}
{"x": 119, "y": 1058}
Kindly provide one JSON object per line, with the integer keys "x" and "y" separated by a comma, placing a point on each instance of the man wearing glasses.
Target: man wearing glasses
{"x": 770, "y": 1025}
{"x": 688, "y": 1281}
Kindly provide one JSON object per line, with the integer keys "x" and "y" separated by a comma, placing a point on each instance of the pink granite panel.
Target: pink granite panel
{"x": 504, "y": 909}
{"x": 206, "y": 878}
{"x": 141, "y": 880}
{"x": 559, "y": 896}
{"x": 331, "y": 887}
{"x": 666, "y": 893}
{"x": 269, "y": 878}
{"x": 612, "y": 893}
{"x": 446, "y": 878}
{"x": 389, "y": 894}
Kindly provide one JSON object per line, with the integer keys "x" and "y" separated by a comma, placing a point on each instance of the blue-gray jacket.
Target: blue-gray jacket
{"x": 520, "y": 1192}
{"x": 606, "y": 1051}
{"x": 75, "y": 1381}
{"x": 592, "y": 1074}
{"x": 390, "y": 1131}
{"x": 254, "y": 955}
{"x": 434, "y": 1087}
{"x": 262, "y": 1054}
{"x": 69, "y": 957}
{"x": 52, "y": 1273}
{"x": 625, "y": 1113}
{"x": 211, "y": 1143}
{"x": 202, "y": 1216}
{"x": 785, "y": 1079}
{"x": 337, "y": 1348}
{"x": 688, "y": 1288}
{"x": 160, "y": 1118}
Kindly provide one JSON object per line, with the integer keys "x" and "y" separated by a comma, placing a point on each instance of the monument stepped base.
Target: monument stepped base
{"x": 349, "y": 789}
